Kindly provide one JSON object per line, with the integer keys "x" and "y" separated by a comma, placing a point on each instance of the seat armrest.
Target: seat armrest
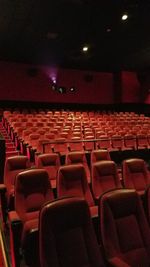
{"x": 118, "y": 262}
{"x": 14, "y": 217}
{"x": 15, "y": 228}
{"x": 2, "y": 188}
{"x": 3, "y": 200}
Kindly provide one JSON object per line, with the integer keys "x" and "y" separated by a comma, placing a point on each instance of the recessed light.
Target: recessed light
{"x": 124, "y": 17}
{"x": 85, "y": 48}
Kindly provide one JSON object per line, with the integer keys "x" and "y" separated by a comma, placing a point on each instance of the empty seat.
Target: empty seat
{"x": 124, "y": 229}
{"x": 79, "y": 157}
{"x": 66, "y": 235}
{"x": 32, "y": 190}
{"x": 135, "y": 174}
{"x": 104, "y": 177}
{"x": 60, "y": 146}
{"x": 72, "y": 181}
{"x": 117, "y": 142}
{"x": 51, "y": 163}
{"x": 13, "y": 166}
{"x": 75, "y": 144}
{"x": 130, "y": 141}
{"x": 104, "y": 142}
{"x": 99, "y": 154}
{"x": 142, "y": 141}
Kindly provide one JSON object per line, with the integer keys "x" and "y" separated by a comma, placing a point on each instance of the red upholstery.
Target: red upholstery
{"x": 130, "y": 141}
{"x": 51, "y": 163}
{"x": 135, "y": 175}
{"x": 104, "y": 177}
{"x": 79, "y": 157}
{"x": 142, "y": 141}
{"x": 66, "y": 235}
{"x": 61, "y": 147}
{"x": 32, "y": 190}
{"x": 124, "y": 229}
{"x": 117, "y": 142}
{"x": 75, "y": 144}
{"x": 99, "y": 154}
{"x": 72, "y": 181}
{"x": 13, "y": 166}
{"x": 104, "y": 142}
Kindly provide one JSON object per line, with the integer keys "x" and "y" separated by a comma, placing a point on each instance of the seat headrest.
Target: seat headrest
{"x": 105, "y": 167}
{"x": 122, "y": 202}
{"x": 17, "y": 162}
{"x": 31, "y": 180}
{"x": 48, "y": 159}
{"x": 135, "y": 165}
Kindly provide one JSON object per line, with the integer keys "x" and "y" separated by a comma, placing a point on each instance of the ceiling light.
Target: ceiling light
{"x": 85, "y": 48}
{"x": 124, "y": 16}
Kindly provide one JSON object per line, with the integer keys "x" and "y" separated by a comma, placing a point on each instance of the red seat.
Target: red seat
{"x": 124, "y": 229}
{"x": 135, "y": 175}
{"x": 32, "y": 190}
{"x": 117, "y": 142}
{"x": 66, "y": 235}
{"x": 72, "y": 181}
{"x": 75, "y": 144}
{"x": 13, "y": 166}
{"x": 104, "y": 142}
{"x": 142, "y": 141}
{"x": 79, "y": 157}
{"x": 99, "y": 154}
{"x": 130, "y": 141}
{"x": 51, "y": 163}
{"x": 104, "y": 177}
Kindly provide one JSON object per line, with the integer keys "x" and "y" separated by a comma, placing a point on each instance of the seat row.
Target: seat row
{"x": 113, "y": 132}
{"x": 63, "y": 232}
{"x": 76, "y": 177}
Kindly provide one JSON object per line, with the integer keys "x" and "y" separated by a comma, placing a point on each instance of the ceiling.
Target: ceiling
{"x": 53, "y": 32}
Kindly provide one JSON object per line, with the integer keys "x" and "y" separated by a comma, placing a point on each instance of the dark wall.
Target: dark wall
{"x": 25, "y": 83}
{"x": 21, "y": 82}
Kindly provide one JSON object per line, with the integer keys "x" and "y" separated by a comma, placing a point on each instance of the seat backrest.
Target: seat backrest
{"x": 104, "y": 177}
{"x": 79, "y": 157}
{"x": 32, "y": 190}
{"x": 50, "y": 162}
{"x": 99, "y": 154}
{"x": 13, "y": 166}
{"x": 135, "y": 174}
{"x": 124, "y": 229}
{"x": 72, "y": 181}
{"x": 66, "y": 235}
{"x": 130, "y": 141}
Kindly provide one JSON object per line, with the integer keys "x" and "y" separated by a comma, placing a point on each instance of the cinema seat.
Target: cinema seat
{"x": 136, "y": 175}
{"x": 66, "y": 235}
{"x": 32, "y": 190}
{"x": 104, "y": 177}
{"x": 99, "y": 154}
{"x": 51, "y": 163}
{"x": 13, "y": 165}
{"x": 124, "y": 229}
{"x": 72, "y": 181}
{"x": 79, "y": 157}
